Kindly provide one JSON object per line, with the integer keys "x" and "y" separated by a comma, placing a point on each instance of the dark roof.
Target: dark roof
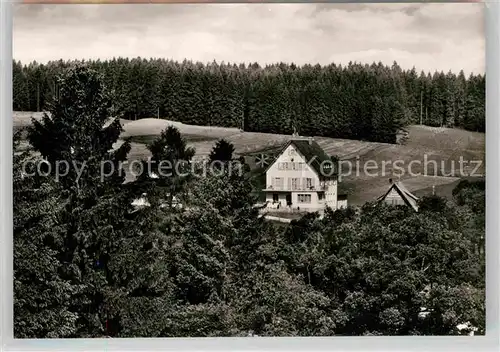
{"x": 408, "y": 197}
{"x": 314, "y": 155}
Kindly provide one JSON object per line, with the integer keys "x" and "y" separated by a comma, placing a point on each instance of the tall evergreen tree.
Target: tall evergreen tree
{"x": 222, "y": 151}
{"x": 169, "y": 169}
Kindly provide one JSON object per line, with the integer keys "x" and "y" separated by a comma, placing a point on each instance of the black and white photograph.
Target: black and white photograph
{"x": 248, "y": 170}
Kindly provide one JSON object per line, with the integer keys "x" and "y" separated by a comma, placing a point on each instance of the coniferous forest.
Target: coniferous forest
{"x": 88, "y": 263}
{"x": 357, "y": 101}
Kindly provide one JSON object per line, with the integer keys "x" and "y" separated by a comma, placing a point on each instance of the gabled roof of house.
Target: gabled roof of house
{"x": 314, "y": 155}
{"x": 408, "y": 197}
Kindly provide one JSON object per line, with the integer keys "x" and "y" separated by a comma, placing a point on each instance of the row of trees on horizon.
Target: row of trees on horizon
{"x": 356, "y": 101}
{"x": 89, "y": 264}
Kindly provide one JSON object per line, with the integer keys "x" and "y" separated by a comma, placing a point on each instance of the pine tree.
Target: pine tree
{"x": 460, "y": 108}
{"x": 79, "y": 133}
{"x": 168, "y": 170}
{"x": 20, "y": 92}
{"x": 222, "y": 151}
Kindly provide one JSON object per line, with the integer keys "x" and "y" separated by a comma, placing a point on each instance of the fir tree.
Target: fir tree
{"x": 169, "y": 168}
{"x": 222, "y": 151}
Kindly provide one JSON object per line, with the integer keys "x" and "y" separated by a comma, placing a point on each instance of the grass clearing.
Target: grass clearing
{"x": 145, "y": 127}
{"x": 148, "y": 139}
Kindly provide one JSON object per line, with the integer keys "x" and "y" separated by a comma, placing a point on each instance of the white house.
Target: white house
{"x": 302, "y": 177}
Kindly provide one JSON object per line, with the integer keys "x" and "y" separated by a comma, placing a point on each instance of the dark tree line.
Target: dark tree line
{"x": 367, "y": 102}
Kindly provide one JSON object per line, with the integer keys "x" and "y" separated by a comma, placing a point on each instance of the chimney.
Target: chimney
{"x": 310, "y": 140}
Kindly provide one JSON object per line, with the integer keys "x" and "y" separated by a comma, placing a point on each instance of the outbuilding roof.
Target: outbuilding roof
{"x": 408, "y": 197}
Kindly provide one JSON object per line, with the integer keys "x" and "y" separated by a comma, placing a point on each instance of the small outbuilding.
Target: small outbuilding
{"x": 398, "y": 194}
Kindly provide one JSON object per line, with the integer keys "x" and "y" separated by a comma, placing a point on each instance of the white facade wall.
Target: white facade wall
{"x": 315, "y": 204}
{"x": 342, "y": 203}
{"x": 287, "y": 156}
{"x": 281, "y": 198}
{"x": 331, "y": 194}
{"x": 394, "y": 198}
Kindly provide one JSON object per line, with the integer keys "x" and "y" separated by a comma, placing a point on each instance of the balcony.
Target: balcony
{"x": 297, "y": 188}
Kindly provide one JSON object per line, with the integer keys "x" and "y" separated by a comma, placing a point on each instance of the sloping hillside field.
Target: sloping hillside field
{"x": 429, "y": 157}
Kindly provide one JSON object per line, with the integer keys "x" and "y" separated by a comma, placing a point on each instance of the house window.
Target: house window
{"x": 308, "y": 183}
{"x": 304, "y": 198}
{"x": 277, "y": 182}
{"x": 284, "y": 166}
{"x": 320, "y": 196}
{"x": 396, "y": 201}
{"x": 297, "y": 166}
{"x": 295, "y": 183}
{"x": 275, "y": 197}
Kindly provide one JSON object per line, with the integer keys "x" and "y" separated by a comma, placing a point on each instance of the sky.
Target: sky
{"x": 429, "y": 37}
